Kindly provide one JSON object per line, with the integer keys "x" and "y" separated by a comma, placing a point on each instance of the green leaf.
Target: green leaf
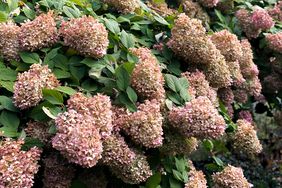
{"x": 112, "y": 25}
{"x": 51, "y": 55}
{"x": 154, "y": 180}
{"x": 10, "y": 122}
{"x": 12, "y": 4}
{"x": 29, "y": 13}
{"x": 60, "y": 74}
{"x": 218, "y": 161}
{"x": 53, "y": 96}
{"x": 7, "y": 85}
{"x": 71, "y": 12}
{"x": 174, "y": 97}
{"x": 123, "y": 98}
{"x": 170, "y": 82}
{"x": 220, "y": 16}
{"x": 90, "y": 62}
{"x": 3, "y": 16}
{"x": 123, "y": 78}
{"x": 8, "y": 74}
{"x": 183, "y": 82}
{"x": 185, "y": 176}
{"x": 48, "y": 112}
{"x": 30, "y": 58}
{"x": 208, "y": 144}
{"x": 177, "y": 175}
{"x": 66, "y": 90}
{"x": 52, "y": 129}
{"x": 131, "y": 94}
{"x": 30, "y": 143}
{"x": 96, "y": 70}
{"x": 89, "y": 85}
{"x": 174, "y": 183}
{"x": 184, "y": 94}
{"x": 161, "y": 20}
{"x": 169, "y": 104}
{"x": 7, "y": 104}
{"x": 127, "y": 40}
{"x": 180, "y": 164}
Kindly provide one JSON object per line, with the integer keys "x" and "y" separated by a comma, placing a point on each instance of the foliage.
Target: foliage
{"x": 111, "y": 76}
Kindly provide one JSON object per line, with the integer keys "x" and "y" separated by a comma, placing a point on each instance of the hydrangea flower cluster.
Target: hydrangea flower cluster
{"x": 246, "y": 115}
{"x": 249, "y": 70}
{"x": 86, "y": 35}
{"x": 29, "y": 85}
{"x": 145, "y": 126}
{"x": 230, "y": 48}
{"x": 97, "y": 107}
{"x": 116, "y": 152}
{"x": 199, "y": 86}
{"x": 198, "y": 118}
{"x": 147, "y": 78}
{"x": 38, "y": 130}
{"x": 274, "y": 42}
{"x": 136, "y": 172}
{"x": 123, "y": 6}
{"x": 17, "y": 168}
{"x": 252, "y": 23}
{"x": 226, "y": 95}
{"x": 77, "y": 138}
{"x": 209, "y": 3}
{"x": 39, "y": 33}
{"x": 230, "y": 177}
{"x": 245, "y": 139}
{"x": 9, "y": 43}
{"x": 196, "y": 178}
{"x": 190, "y": 42}
{"x": 194, "y": 10}
{"x": 276, "y": 11}
{"x": 161, "y": 8}
{"x": 57, "y": 172}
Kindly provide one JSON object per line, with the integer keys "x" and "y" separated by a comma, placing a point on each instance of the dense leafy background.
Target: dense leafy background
{"x": 111, "y": 75}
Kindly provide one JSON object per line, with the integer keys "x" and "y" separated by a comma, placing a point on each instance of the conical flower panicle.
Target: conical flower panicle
{"x": 253, "y": 23}
{"x": 145, "y": 126}
{"x": 86, "y": 35}
{"x": 209, "y": 3}
{"x": 136, "y": 172}
{"x": 78, "y": 139}
{"x": 147, "y": 78}
{"x": 9, "y": 44}
{"x": 97, "y": 107}
{"x": 17, "y": 168}
{"x": 197, "y": 81}
{"x": 195, "y": 10}
{"x": 230, "y": 177}
{"x": 123, "y": 6}
{"x": 228, "y": 44}
{"x": 245, "y": 140}
{"x": 274, "y": 42}
{"x": 29, "y": 85}
{"x": 38, "y": 130}
{"x": 226, "y": 95}
{"x": 197, "y": 178}
{"x": 198, "y": 118}
{"x": 116, "y": 152}
{"x": 39, "y": 33}
{"x": 190, "y": 42}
